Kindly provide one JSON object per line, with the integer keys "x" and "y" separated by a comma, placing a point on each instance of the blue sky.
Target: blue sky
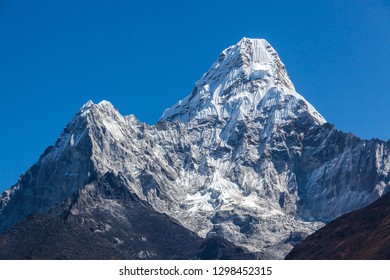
{"x": 143, "y": 56}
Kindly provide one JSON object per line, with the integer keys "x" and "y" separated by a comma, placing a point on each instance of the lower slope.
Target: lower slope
{"x": 104, "y": 220}
{"x": 361, "y": 234}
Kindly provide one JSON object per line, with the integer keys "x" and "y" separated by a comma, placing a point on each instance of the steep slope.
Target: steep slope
{"x": 104, "y": 220}
{"x": 247, "y": 81}
{"x": 60, "y": 171}
{"x": 268, "y": 160}
{"x": 361, "y": 234}
{"x": 244, "y": 157}
{"x": 339, "y": 172}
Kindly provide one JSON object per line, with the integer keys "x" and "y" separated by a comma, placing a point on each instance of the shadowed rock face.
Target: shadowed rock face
{"x": 359, "y": 235}
{"x": 105, "y": 221}
{"x": 244, "y": 158}
{"x": 61, "y": 170}
{"x": 339, "y": 172}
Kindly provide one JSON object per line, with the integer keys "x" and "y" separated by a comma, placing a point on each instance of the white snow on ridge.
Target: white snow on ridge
{"x": 236, "y": 84}
{"x": 226, "y": 159}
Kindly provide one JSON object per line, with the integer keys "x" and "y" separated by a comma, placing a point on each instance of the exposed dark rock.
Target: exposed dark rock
{"x": 216, "y": 248}
{"x": 363, "y": 234}
{"x": 105, "y": 221}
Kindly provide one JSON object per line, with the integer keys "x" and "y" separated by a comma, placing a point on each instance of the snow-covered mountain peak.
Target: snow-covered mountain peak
{"x": 102, "y": 104}
{"x": 87, "y": 121}
{"x": 247, "y": 160}
{"x": 246, "y": 77}
{"x": 88, "y": 105}
{"x": 260, "y": 59}
{"x": 253, "y": 52}
{"x": 105, "y": 103}
{"x": 103, "y": 107}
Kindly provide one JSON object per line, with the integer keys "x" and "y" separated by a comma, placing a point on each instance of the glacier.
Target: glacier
{"x": 243, "y": 157}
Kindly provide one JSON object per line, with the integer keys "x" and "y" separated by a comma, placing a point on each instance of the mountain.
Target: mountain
{"x": 104, "y": 220}
{"x": 101, "y": 221}
{"x": 358, "y": 235}
{"x": 244, "y": 158}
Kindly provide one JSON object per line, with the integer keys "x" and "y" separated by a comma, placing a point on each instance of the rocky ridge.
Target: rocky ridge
{"x": 244, "y": 157}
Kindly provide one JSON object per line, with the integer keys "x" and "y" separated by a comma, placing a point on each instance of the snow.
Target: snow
{"x": 259, "y": 71}
{"x": 220, "y": 160}
{"x": 248, "y": 72}
{"x": 87, "y": 105}
{"x": 71, "y": 142}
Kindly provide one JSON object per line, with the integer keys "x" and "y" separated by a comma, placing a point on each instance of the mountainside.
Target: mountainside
{"x": 359, "y": 235}
{"x": 104, "y": 220}
{"x": 244, "y": 157}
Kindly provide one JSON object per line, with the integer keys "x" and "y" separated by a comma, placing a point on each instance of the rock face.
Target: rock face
{"x": 104, "y": 220}
{"x": 358, "y": 235}
{"x": 244, "y": 157}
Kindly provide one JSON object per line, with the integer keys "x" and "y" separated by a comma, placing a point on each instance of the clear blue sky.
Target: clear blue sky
{"x": 143, "y": 56}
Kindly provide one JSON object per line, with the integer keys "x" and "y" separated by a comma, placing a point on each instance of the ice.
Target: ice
{"x": 236, "y": 85}
{"x": 244, "y": 156}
